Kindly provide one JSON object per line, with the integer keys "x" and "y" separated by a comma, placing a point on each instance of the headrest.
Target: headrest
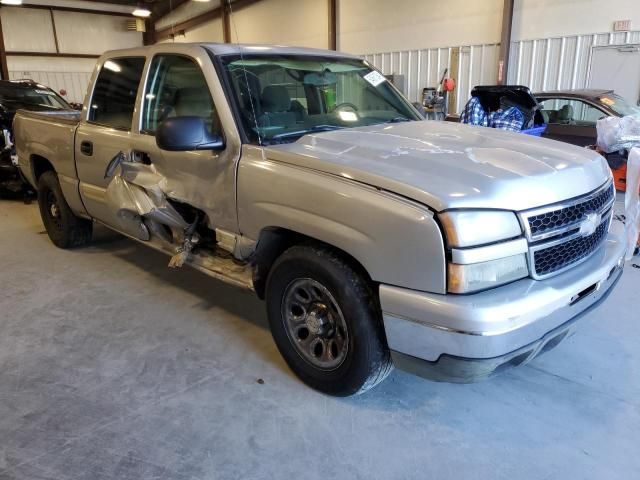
{"x": 275, "y": 98}
{"x": 565, "y": 113}
{"x": 190, "y": 94}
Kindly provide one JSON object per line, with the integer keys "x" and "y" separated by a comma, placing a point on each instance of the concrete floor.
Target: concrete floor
{"x": 113, "y": 366}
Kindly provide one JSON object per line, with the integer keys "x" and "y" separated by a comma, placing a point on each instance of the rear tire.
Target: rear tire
{"x": 64, "y": 228}
{"x": 326, "y": 321}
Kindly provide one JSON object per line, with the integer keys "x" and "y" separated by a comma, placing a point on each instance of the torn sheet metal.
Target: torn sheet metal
{"x": 142, "y": 207}
{"x": 137, "y": 190}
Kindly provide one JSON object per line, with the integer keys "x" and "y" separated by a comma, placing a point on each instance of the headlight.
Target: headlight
{"x": 470, "y": 228}
{"x": 487, "y": 249}
{"x": 480, "y": 276}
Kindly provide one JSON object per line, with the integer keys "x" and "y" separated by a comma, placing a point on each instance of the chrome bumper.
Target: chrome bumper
{"x": 498, "y": 323}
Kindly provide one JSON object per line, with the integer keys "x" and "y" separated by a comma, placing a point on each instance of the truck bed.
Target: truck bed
{"x": 46, "y": 136}
{"x": 64, "y": 116}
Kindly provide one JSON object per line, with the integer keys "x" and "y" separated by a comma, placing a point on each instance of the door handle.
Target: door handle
{"x": 86, "y": 147}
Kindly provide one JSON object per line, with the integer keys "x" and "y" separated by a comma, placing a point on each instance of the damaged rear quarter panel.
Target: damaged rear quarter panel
{"x": 397, "y": 242}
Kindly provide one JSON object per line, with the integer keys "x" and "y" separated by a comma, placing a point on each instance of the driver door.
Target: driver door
{"x": 177, "y": 87}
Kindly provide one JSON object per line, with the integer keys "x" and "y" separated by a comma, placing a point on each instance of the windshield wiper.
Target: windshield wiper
{"x": 398, "y": 120}
{"x": 299, "y": 133}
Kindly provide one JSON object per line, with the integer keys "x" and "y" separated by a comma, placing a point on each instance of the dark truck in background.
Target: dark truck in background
{"x": 16, "y": 95}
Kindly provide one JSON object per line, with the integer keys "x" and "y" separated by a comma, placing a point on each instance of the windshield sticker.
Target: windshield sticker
{"x": 44, "y": 92}
{"x": 374, "y": 78}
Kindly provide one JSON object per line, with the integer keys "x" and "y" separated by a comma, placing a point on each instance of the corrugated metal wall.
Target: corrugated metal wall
{"x": 560, "y": 63}
{"x": 543, "y": 64}
{"x": 424, "y": 68}
{"x": 75, "y": 83}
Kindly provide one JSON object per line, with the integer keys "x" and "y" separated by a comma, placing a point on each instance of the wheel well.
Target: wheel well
{"x": 274, "y": 241}
{"x": 40, "y": 165}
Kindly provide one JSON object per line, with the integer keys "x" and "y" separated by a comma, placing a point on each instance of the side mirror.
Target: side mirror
{"x": 181, "y": 134}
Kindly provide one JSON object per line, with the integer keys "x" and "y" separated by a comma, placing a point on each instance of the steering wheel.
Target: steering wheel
{"x": 345, "y": 104}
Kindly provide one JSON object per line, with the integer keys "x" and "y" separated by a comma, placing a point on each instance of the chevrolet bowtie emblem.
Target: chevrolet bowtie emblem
{"x": 589, "y": 224}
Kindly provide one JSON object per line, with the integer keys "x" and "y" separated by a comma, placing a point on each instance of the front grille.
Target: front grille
{"x": 552, "y": 259}
{"x": 554, "y": 232}
{"x": 568, "y": 215}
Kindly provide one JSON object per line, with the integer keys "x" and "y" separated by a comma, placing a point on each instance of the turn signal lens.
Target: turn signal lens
{"x": 480, "y": 276}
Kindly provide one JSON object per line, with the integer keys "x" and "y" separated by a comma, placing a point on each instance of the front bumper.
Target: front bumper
{"x": 464, "y": 338}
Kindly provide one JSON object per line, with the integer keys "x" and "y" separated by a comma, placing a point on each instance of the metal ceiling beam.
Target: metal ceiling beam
{"x": 132, "y": 3}
{"x": 75, "y": 10}
{"x": 226, "y": 24}
{"x": 505, "y": 41}
{"x": 333, "y": 24}
{"x": 51, "y": 54}
{"x": 4, "y": 69}
{"x": 218, "y": 12}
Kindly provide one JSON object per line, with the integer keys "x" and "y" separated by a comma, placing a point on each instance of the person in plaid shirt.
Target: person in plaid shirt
{"x": 509, "y": 118}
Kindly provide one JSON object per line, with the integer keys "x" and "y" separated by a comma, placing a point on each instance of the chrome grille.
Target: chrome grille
{"x": 551, "y": 259}
{"x": 562, "y": 235}
{"x": 568, "y": 215}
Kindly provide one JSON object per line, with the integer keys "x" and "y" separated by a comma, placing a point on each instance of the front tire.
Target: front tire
{"x": 326, "y": 321}
{"x": 64, "y": 228}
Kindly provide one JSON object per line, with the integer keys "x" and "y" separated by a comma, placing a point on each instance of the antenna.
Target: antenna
{"x": 244, "y": 70}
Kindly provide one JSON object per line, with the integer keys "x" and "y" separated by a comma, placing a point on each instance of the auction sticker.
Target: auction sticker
{"x": 374, "y": 78}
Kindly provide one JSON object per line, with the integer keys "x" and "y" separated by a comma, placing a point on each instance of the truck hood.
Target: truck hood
{"x": 448, "y": 165}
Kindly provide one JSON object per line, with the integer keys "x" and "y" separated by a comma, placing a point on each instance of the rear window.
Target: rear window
{"x": 114, "y": 95}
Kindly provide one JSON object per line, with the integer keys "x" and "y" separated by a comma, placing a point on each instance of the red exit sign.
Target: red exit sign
{"x": 622, "y": 25}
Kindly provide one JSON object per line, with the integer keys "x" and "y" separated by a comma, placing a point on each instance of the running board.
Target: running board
{"x": 223, "y": 268}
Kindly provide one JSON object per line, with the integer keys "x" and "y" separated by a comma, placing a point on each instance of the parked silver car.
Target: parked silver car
{"x": 376, "y": 238}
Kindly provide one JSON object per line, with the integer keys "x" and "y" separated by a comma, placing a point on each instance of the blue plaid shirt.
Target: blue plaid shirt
{"x": 474, "y": 113}
{"x": 510, "y": 119}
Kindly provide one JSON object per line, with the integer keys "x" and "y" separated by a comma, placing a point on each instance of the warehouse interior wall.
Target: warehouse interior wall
{"x": 534, "y": 19}
{"x": 184, "y": 12}
{"x": 306, "y": 23}
{"x": 552, "y": 40}
{"x": 377, "y": 26}
{"x": 372, "y": 26}
{"x": 76, "y": 35}
{"x": 415, "y": 38}
{"x": 302, "y": 23}
{"x": 211, "y": 31}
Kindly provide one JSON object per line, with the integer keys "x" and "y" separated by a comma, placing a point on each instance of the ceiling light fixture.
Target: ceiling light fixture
{"x": 113, "y": 66}
{"x": 140, "y": 11}
{"x": 11, "y": 2}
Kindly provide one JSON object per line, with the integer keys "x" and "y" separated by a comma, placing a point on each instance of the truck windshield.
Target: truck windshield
{"x": 282, "y": 97}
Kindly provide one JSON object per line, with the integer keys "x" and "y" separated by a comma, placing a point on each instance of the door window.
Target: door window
{"x": 570, "y": 112}
{"x": 177, "y": 88}
{"x": 114, "y": 96}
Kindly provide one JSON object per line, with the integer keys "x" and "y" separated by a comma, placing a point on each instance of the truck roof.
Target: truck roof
{"x": 237, "y": 48}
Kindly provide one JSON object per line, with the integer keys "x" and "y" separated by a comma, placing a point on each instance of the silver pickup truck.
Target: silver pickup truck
{"x": 376, "y": 238}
